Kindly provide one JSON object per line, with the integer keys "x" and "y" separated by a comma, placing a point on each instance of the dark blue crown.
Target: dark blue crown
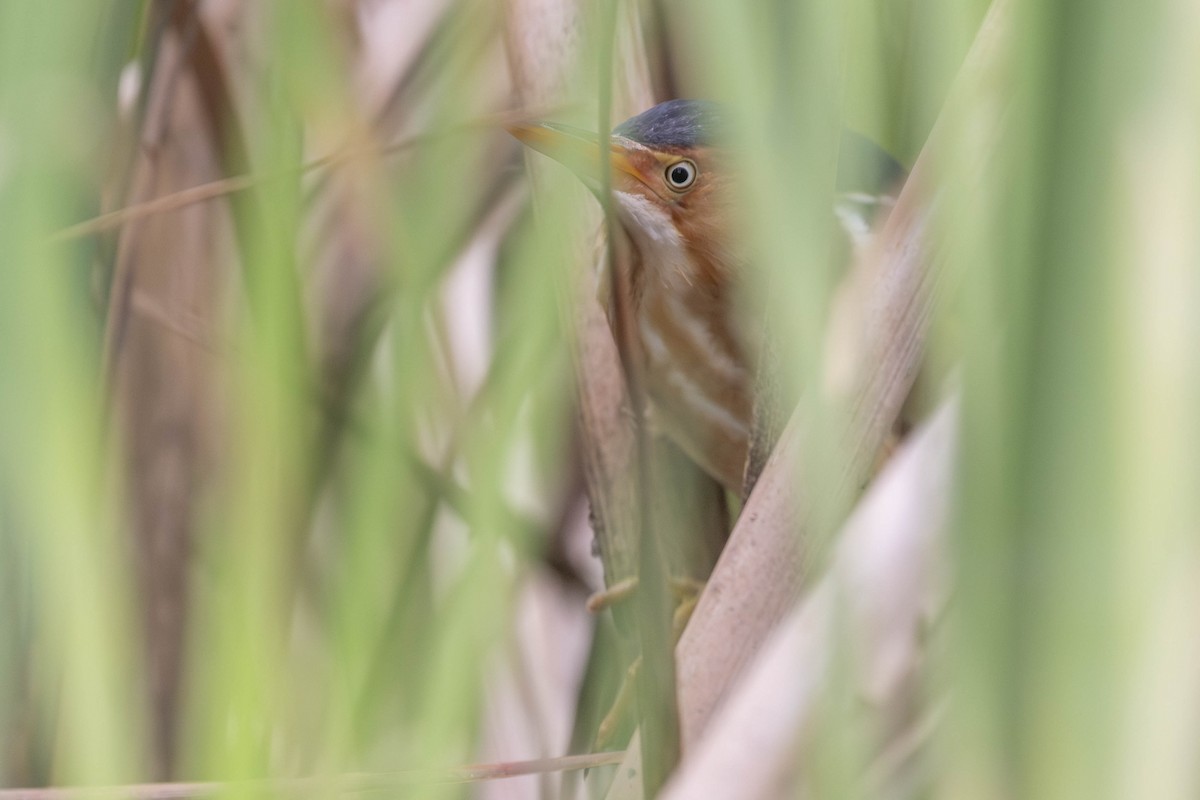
{"x": 675, "y": 123}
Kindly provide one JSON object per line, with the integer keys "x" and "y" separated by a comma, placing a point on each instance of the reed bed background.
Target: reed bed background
{"x": 308, "y": 416}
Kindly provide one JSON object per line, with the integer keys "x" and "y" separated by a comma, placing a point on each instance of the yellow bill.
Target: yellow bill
{"x": 577, "y": 150}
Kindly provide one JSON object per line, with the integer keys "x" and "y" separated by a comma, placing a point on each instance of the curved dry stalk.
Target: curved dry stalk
{"x": 884, "y": 574}
{"x": 903, "y": 273}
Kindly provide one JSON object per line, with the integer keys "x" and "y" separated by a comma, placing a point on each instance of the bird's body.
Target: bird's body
{"x": 672, "y": 192}
{"x": 696, "y": 368}
{"x": 695, "y": 362}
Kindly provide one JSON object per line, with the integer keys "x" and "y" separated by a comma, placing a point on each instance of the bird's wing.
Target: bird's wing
{"x": 866, "y": 168}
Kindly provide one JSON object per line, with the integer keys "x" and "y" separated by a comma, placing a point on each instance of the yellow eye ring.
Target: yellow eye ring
{"x": 681, "y": 175}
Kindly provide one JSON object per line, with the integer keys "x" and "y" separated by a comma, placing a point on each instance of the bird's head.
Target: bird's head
{"x": 669, "y": 174}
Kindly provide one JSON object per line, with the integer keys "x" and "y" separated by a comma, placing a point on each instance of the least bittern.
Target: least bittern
{"x": 673, "y": 192}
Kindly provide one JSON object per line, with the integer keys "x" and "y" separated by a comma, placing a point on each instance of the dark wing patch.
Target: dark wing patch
{"x": 865, "y": 167}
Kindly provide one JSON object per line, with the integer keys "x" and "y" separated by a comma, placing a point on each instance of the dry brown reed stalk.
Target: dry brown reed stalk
{"x": 544, "y": 38}
{"x": 760, "y": 574}
{"x": 164, "y": 387}
{"x": 883, "y": 581}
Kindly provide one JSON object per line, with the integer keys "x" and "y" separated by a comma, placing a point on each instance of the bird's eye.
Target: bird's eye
{"x": 681, "y": 175}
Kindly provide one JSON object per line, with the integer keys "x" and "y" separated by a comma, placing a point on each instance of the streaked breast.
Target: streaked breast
{"x": 697, "y": 376}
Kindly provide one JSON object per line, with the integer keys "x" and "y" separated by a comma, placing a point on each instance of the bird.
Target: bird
{"x": 673, "y": 189}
